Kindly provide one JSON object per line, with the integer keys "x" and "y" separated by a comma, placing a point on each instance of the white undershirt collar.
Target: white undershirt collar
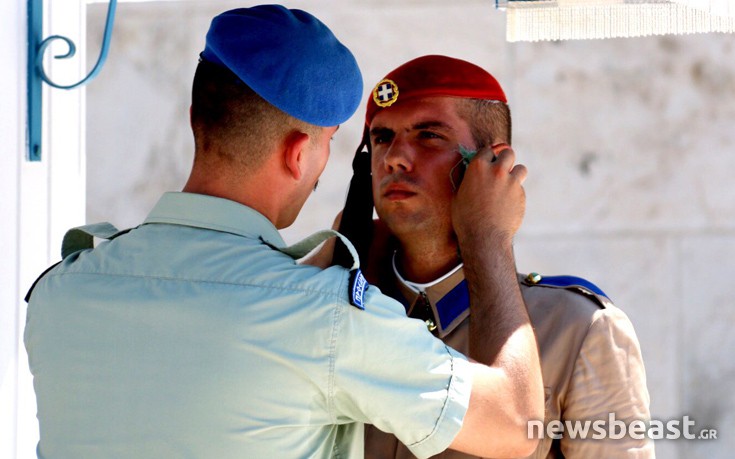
{"x": 420, "y": 288}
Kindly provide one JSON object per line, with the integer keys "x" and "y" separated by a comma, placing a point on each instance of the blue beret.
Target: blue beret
{"x": 289, "y": 58}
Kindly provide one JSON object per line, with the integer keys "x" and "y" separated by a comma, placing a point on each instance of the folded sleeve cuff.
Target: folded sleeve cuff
{"x": 452, "y": 415}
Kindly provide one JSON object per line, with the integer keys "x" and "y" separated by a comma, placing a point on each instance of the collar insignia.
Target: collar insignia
{"x": 385, "y": 93}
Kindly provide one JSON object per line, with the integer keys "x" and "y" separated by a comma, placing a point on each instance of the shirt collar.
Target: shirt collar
{"x": 448, "y": 297}
{"x": 218, "y": 214}
{"x": 417, "y": 287}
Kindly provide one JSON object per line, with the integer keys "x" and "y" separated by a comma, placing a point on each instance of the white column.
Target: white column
{"x": 12, "y": 91}
{"x": 40, "y": 200}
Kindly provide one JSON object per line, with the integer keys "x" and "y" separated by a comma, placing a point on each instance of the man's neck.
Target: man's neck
{"x": 421, "y": 260}
{"x": 225, "y": 183}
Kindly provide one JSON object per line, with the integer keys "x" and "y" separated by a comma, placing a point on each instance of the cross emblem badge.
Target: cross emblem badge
{"x": 385, "y": 93}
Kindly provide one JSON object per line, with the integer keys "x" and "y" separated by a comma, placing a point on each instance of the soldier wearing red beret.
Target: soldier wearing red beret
{"x": 424, "y": 122}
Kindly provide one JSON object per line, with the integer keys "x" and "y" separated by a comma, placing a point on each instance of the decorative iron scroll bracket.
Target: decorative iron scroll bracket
{"x": 37, "y": 74}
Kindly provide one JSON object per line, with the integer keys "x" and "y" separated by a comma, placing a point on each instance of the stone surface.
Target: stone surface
{"x": 707, "y": 341}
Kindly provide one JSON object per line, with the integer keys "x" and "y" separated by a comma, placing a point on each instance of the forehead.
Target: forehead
{"x": 437, "y": 109}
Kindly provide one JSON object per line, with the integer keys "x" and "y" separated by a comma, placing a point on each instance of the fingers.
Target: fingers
{"x": 487, "y": 155}
{"x": 497, "y": 152}
{"x": 491, "y": 198}
{"x": 520, "y": 172}
{"x": 504, "y": 156}
{"x": 497, "y": 148}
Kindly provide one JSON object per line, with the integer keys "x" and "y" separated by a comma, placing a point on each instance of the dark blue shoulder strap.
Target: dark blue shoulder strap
{"x": 569, "y": 282}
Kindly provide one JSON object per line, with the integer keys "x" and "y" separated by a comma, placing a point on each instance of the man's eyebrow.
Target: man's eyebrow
{"x": 431, "y": 124}
{"x": 380, "y": 130}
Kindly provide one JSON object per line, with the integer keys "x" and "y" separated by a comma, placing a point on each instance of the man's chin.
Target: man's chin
{"x": 404, "y": 225}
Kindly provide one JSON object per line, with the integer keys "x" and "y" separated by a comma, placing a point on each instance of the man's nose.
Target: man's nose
{"x": 399, "y": 157}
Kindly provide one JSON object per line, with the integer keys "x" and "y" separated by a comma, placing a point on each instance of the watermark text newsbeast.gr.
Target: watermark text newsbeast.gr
{"x": 615, "y": 429}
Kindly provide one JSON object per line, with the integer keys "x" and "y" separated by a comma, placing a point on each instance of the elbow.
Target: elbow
{"x": 507, "y": 444}
{"x": 533, "y": 415}
{"x": 516, "y": 443}
{"x": 530, "y": 406}
{"x": 529, "y": 411}
{"x": 535, "y": 409}
{"x": 519, "y": 435}
{"x": 520, "y": 439}
{"x": 527, "y": 448}
{"x": 525, "y": 444}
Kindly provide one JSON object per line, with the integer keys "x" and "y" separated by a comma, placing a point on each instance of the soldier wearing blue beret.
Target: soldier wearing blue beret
{"x": 424, "y": 121}
{"x": 198, "y": 334}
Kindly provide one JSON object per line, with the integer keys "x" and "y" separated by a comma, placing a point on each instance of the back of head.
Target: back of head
{"x": 230, "y": 120}
{"x": 265, "y": 71}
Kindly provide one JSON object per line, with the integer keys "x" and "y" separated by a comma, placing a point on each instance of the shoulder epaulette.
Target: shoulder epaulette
{"x": 576, "y": 284}
{"x": 357, "y": 285}
{"x": 80, "y": 238}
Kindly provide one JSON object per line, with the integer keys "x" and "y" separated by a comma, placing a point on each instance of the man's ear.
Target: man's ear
{"x": 294, "y": 153}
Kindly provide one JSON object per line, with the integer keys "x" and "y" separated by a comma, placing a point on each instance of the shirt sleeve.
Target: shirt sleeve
{"x": 609, "y": 379}
{"x": 389, "y": 371}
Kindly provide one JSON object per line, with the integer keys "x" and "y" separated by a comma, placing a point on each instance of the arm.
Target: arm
{"x": 507, "y": 389}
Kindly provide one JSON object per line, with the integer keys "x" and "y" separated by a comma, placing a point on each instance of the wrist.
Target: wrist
{"x": 484, "y": 241}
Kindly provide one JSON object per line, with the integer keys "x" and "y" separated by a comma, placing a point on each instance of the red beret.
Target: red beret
{"x": 433, "y": 76}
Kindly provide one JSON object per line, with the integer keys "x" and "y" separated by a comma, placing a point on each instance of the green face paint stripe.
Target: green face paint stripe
{"x": 467, "y": 155}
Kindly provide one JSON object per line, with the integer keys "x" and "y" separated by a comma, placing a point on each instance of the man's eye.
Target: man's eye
{"x": 429, "y": 135}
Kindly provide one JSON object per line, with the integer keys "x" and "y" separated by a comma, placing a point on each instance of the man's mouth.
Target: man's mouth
{"x": 397, "y": 192}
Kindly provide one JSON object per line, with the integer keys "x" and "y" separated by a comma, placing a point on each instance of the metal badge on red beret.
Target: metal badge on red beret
{"x": 385, "y": 93}
{"x": 433, "y": 75}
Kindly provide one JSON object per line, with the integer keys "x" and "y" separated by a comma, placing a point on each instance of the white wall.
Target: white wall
{"x": 11, "y": 147}
{"x": 629, "y": 143}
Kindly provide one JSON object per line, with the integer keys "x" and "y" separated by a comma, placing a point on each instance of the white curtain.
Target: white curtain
{"x": 534, "y": 20}
{"x": 713, "y": 7}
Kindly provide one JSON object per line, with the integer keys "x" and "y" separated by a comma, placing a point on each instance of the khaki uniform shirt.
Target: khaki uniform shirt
{"x": 590, "y": 360}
